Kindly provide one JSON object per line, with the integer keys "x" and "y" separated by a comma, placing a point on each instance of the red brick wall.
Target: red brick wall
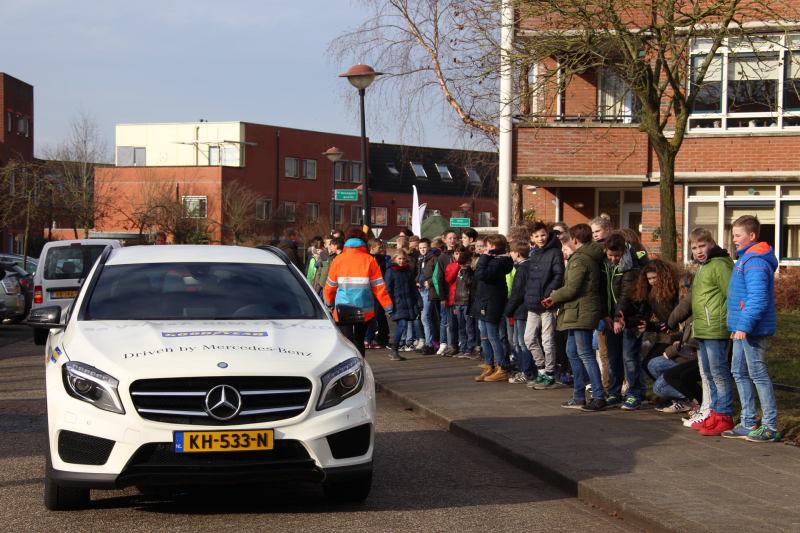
{"x": 651, "y": 218}
{"x": 738, "y": 154}
{"x": 17, "y": 97}
{"x": 589, "y": 151}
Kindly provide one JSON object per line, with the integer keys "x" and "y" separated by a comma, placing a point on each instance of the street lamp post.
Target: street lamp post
{"x": 333, "y": 154}
{"x": 360, "y": 77}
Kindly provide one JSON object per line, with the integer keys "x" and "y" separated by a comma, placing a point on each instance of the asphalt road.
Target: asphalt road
{"x": 425, "y": 480}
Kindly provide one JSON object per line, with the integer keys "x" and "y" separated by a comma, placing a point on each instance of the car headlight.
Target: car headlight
{"x": 343, "y": 381}
{"x": 91, "y": 385}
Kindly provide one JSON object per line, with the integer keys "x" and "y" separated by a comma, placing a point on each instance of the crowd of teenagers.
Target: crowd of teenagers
{"x": 553, "y": 307}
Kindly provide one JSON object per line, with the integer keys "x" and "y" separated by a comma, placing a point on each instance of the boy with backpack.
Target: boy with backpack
{"x": 751, "y": 320}
{"x": 580, "y": 313}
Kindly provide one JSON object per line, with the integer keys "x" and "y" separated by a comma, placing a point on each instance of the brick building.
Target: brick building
{"x": 740, "y": 156}
{"x": 16, "y": 143}
{"x": 285, "y": 166}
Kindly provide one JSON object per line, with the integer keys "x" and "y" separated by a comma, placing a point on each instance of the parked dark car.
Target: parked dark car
{"x": 17, "y": 292}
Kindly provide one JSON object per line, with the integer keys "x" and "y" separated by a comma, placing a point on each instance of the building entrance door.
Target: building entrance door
{"x": 632, "y": 217}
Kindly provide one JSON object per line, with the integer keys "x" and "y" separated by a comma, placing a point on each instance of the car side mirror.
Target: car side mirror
{"x": 48, "y": 317}
{"x": 349, "y": 315}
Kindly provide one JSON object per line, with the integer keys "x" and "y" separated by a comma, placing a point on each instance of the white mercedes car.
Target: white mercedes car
{"x": 202, "y": 365}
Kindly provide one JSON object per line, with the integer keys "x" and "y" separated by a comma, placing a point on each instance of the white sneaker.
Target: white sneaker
{"x": 676, "y": 407}
{"x": 699, "y": 417}
{"x": 419, "y": 344}
{"x": 442, "y": 348}
{"x": 407, "y": 348}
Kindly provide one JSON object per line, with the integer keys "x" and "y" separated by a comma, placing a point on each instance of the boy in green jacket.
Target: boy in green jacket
{"x": 709, "y": 309}
{"x": 580, "y": 313}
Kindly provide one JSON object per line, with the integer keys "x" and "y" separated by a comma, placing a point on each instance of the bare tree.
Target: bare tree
{"x": 437, "y": 56}
{"x": 28, "y": 187}
{"x": 75, "y": 158}
{"x": 239, "y": 215}
{"x": 647, "y": 45}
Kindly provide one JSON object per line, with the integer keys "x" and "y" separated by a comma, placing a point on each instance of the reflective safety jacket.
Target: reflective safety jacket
{"x": 354, "y": 277}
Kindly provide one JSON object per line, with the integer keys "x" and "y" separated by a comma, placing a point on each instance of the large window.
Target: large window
{"x": 131, "y": 156}
{"x": 312, "y": 212}
{"x": 616, "y": 98}
{"x": 195, "y": 206}
{"x": 213, "y": 155}
{"x": 751, "y": 82}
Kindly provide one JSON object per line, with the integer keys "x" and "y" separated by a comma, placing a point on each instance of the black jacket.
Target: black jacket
{"x": 430, "y": 265}
{"x": 464, "y": 284}
{"x": 290, "y": 249}
{"x": 615, "y": 281}
{"x": 516, "y": 303}
{"x": 492, "y": 295}
{"x": 545, "y": 273}
{"x": 444, "y": 259}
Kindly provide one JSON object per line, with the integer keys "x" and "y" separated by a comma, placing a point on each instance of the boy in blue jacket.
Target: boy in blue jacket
{"x": 751, "y": 319}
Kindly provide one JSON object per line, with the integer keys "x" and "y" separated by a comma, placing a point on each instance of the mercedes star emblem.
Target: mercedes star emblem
{"x": 223, "y": 402}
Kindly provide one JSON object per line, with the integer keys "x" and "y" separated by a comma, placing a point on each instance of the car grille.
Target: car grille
{"x": 182, "y": 400}
{"x": 162, "y": 454}
{"x": 80, "y": 449}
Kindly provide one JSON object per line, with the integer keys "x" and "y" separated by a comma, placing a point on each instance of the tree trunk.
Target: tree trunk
{"x": 27, "y": 231}
{"x": 516, "y": 204}
{"x": 669, "y": 234}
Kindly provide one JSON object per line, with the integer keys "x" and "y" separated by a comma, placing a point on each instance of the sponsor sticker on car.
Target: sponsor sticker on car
{"x": 214, "y": 332}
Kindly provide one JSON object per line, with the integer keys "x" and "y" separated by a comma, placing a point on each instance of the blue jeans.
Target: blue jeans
{"x": 657, "y": 366}
{"x": 400, "y": 331}
{"x": 492, "y": 349}
{"x": 714, "y": 358}
{"x": 413, "y": 332}
{"x": 448, "y": 328}
{"x": 749, "y": 367}
{"x": 426, "y": 317}
{"x": 524, "y": 355}
{"x": 466, "y": 329}
{"x": 584, "y": 364}
{"x": 625, "y": 357}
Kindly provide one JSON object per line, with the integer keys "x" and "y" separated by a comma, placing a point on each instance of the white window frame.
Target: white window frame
{"x": 213, "y": 156}
{"x": 767, "y": 44}
{"x": 627, "y": 114}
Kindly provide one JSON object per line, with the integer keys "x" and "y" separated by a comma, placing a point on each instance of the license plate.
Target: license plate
{"x": 55, "y": 295}
{"x": 222, "y": 441}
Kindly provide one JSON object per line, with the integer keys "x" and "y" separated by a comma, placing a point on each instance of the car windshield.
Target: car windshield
{"x": 71, "y": 262}
{"x": 199, "y": 291}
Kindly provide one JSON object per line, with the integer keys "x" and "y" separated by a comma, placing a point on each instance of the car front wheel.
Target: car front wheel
{"x": 62, "y": 498}
{"x": 351, "y": 491}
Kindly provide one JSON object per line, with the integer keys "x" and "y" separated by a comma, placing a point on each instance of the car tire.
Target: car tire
{"x": 351, "y": 491}
{"x": 40, "y": 337}
{"x": 62, "y": 498}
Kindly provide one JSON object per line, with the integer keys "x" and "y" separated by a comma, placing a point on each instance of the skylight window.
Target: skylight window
{"x": 418, "y": 170}
{"x": 474, "y": 178}
{"x": 392, "y": 169}
{"x": 444, "y": 172}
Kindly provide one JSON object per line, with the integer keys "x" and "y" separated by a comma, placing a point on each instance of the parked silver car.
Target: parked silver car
{"x": 14, "y": 285}
{"x": 30, "y": 264}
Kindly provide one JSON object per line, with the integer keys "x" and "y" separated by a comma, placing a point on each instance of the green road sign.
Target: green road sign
{"x": 346, "y": 195}
{"x": 459, "y": 222}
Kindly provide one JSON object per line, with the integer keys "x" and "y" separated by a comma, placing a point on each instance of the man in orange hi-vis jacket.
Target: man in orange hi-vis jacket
{"x": 354, "y": 277}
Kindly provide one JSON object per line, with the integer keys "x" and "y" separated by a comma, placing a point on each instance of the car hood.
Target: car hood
{"x": 176, "y": 348}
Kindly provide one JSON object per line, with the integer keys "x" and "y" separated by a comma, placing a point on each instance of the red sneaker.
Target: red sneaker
{"x": 723, "y": 423}
{"x": 709, "y": 421}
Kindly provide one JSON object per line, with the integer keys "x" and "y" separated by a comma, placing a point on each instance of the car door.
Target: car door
{"x": 64, "y": 269}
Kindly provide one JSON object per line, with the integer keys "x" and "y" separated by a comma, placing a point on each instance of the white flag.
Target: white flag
{"x": 416, "y": 216}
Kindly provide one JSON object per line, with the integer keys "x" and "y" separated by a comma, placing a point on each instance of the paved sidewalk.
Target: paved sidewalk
{"x": 645, "y": 466}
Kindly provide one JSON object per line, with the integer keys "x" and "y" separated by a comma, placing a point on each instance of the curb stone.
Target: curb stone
{"x": 591, "y": 490}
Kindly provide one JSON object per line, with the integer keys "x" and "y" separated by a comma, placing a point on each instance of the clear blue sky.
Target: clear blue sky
{"x": 181, "y": 61}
